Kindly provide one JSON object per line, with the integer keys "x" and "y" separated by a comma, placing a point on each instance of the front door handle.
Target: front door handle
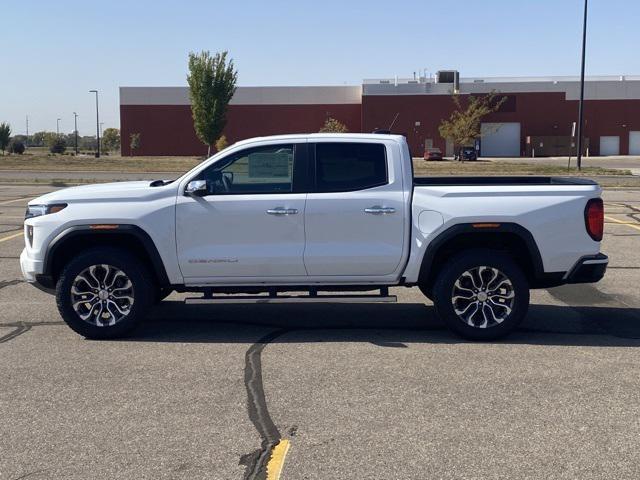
{"x": 282, "y": 211}
{"x": 378, "y": 210}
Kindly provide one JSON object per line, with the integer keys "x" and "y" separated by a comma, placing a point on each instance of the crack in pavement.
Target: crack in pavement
{"x": 8, "y": 283}
{"x": 256, "y": 461}
{"x": 19, "y": 330}
{"x": 22, "y": 327}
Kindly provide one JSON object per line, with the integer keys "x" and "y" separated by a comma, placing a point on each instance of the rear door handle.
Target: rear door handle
{"x": 378, "y": 210}
{"x": 282, "y": 211}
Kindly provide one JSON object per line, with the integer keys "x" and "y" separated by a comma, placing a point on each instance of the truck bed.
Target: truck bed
{"x": 504, "y": 180}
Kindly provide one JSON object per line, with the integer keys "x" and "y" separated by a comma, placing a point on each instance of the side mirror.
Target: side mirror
{"x": 196, "y": 188}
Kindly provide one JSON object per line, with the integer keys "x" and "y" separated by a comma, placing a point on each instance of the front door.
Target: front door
{"x": 251, "y": 221}
{"x": 354, "y": 218}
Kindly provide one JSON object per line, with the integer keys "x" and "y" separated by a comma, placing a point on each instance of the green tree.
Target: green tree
{"x": 49, "y": 139}
{"x": 331, "y": 125}
{"x": 111, "y": 139}
{"x": 212, "y": 83}
{"x": 134, "y": 144}
{"x": 5, "y": 136}
{"x": 37, "y": 139}
{"x": 463, "y": 127}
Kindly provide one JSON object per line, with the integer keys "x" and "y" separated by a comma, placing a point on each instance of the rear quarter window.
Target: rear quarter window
{"x": 344, "y": 167}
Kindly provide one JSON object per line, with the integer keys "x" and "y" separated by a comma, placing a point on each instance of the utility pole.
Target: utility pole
{"x": 26, "y": 142}
{"x": 581, "y": 107}
{"x": 97, "y": 123}
{"x": 75, "y": 124}
{"x": 58, "y": 127}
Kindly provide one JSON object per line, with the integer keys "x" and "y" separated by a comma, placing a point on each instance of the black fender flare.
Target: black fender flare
{"x": 539, "y": 276}
{"x": 122, "y": 230}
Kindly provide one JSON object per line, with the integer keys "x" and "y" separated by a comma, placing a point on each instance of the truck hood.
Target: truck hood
{"x": 102, "y": 192}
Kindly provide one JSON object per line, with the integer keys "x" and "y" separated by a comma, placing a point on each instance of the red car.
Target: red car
{"x": 432, "y": 154}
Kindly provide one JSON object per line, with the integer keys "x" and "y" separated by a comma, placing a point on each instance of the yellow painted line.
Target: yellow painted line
{"x": 14, "y": 200}
{"x": 276, "y": 462}
{"x": 622, "y": 222}
{"x": 15, "y": 235}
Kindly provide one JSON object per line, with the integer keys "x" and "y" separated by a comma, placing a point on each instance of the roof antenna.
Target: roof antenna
{"x": 384, "y": 131}
{"x": 394, "y": 121}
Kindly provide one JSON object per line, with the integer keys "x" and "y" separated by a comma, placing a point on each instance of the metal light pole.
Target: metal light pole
{"x": 97, "y": 123}
{"x": 58, "y": 127}
{"x": 75, "y": 124}
{"x": 581, "y": 108}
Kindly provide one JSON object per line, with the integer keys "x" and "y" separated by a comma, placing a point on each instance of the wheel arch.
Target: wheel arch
{"x": 508, "y": 237}
{"x": 131, "y": 238}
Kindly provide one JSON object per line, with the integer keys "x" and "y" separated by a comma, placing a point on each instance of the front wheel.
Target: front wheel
{"x": 481, "y": 294}
{"x": 104, "y": 293}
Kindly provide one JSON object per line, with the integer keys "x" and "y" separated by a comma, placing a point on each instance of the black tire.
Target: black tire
{"x": 142, "y": 292}
{"x": 486, "y": 322}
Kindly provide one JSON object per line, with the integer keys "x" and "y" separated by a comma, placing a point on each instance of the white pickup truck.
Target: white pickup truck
{"x": 313, "y": 218}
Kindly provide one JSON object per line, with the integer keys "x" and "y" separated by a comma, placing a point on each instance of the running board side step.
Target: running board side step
{"x": 224, "y": 299}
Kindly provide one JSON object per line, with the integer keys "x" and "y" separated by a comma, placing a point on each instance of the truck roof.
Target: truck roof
{"x": 298, "y": 136}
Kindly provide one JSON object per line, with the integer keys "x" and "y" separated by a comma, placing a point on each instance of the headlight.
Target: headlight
{"x": 39, "y": 210}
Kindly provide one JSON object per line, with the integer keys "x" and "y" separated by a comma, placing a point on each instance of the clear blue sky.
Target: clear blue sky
{"x": 55, "y": 51}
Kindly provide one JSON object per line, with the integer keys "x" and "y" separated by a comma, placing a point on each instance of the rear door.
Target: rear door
{"x": 354, "y": 218}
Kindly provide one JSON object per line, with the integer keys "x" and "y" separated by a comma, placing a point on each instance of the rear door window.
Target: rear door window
{"x": 344, "y": 167}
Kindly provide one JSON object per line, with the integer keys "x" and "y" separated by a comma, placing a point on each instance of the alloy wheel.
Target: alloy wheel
{"x": 102, "y": 295}
{"x": 483, "y": 297}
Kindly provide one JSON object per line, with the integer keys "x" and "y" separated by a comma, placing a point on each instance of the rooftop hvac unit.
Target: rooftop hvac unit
{"x": 449, "y": 76}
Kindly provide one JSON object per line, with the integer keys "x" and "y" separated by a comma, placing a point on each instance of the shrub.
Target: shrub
{"x": 331, "y": 125}
{"x": 16, "y": 146}
{"x": 221, "y": 143}
{"x": 59, "y": 145}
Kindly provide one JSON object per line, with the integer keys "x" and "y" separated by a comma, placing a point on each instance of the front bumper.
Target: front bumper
{"x": 30, "y": 267}
{"x": 589, "y": 269}
{"x": 32, "y": 272}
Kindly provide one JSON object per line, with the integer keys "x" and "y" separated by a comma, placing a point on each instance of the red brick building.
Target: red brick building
{"x": 536, "y": 117}
{"x": 162, "y": 115}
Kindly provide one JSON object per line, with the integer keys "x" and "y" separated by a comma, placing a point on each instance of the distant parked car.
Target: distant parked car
{"x": 468, "y": 153}
{"x": 432, "y": 154}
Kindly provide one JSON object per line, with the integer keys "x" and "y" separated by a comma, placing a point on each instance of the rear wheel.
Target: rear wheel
{"x": 481, "y": 294}
{"x": 104, "y": 293}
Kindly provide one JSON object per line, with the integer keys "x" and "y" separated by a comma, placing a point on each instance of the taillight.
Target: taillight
{"x": 594, "y": 218}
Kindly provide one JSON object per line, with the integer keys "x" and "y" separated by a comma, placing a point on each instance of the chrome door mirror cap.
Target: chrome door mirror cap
{"x": 196, "y": 188}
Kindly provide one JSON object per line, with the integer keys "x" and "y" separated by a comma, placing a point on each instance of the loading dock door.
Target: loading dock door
{"x": 609, "y": 146}
{"x": 634, "y": 143}
{"x": 500, "y": 140}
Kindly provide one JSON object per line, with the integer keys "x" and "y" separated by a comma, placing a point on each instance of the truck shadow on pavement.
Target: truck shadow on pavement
{"x": 383, "y": 325}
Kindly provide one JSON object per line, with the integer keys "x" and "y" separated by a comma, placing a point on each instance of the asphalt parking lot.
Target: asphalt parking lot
{"x": 357, "y": 392}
